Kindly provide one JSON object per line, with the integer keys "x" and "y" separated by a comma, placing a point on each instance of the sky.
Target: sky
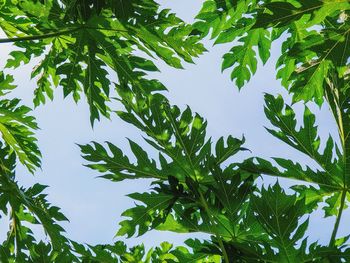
{"x": 94, "y": 205}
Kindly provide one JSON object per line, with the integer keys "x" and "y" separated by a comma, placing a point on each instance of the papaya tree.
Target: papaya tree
{"x": 104, "y": 50}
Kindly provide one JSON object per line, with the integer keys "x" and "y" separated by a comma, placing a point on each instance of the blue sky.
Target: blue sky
{"x": 94, "y": 205}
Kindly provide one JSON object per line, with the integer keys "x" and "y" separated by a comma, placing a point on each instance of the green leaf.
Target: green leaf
{"x": 142, "y": 217}
{"x": 26, "y": 207}
{"x": 224, "y": 152}
{"x": 243, "y": 57}
{"x": 16, "y": 128}
{"x": 279, "y": 215}
{"x": 117, "y": 166}
{"x": 318, "y": 54}
{"x": 6, "y": 83}
{"x": 284, "y": 13}
{"x": 305, "y": 139}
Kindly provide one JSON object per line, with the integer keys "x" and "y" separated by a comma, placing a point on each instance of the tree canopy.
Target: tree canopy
{"x": 104, "y": 51}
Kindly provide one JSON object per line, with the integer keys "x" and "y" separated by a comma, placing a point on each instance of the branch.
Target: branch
{"x": 337, "y": 221}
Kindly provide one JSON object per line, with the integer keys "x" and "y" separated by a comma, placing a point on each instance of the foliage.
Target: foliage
{"x": 313, "y": 33}
{"x": 197, "y": 184}
{"x": 193, "y": 191}
{"x": 82, "y": 43}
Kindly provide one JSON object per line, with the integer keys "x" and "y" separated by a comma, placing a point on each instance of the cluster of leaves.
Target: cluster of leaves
{"x": 314, "y": 36}
{"x": 194, "y": 191}
{"x": 83, "y": 42}
{"x": 197, "y": 185}
{"x": 26, "y": 207}
{"x": 16, "y": 127}
{"x": 118, "y": 252}
{"x": 330, "y": 176}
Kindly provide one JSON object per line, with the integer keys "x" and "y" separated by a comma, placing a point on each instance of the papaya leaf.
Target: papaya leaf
{"x": 243, "y": 57}
{"x": 305, "y": 139}
{"x": 26, "y": 207}
{"x": 16, "y": 128}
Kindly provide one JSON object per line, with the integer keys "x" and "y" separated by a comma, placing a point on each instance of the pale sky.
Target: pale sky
{"x": 94, "y": 205}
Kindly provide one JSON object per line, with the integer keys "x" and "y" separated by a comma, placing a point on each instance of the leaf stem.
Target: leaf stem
{"x": 335, "y": 105}
{"x": 337, "y": 221}
{"x": 54, "y": 34}
{"x": 221, "y": 244}
{"x": 41, "y": 36}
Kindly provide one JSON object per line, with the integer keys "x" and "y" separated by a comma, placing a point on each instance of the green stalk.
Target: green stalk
{"x": 337, "y": 221}
{"x": 221, "y": 244}
{"x": 202, "y": 199}
{"x": 42, "y": 36}
{"x": 55, "y": 34}
{"x": 334, "y": 103}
